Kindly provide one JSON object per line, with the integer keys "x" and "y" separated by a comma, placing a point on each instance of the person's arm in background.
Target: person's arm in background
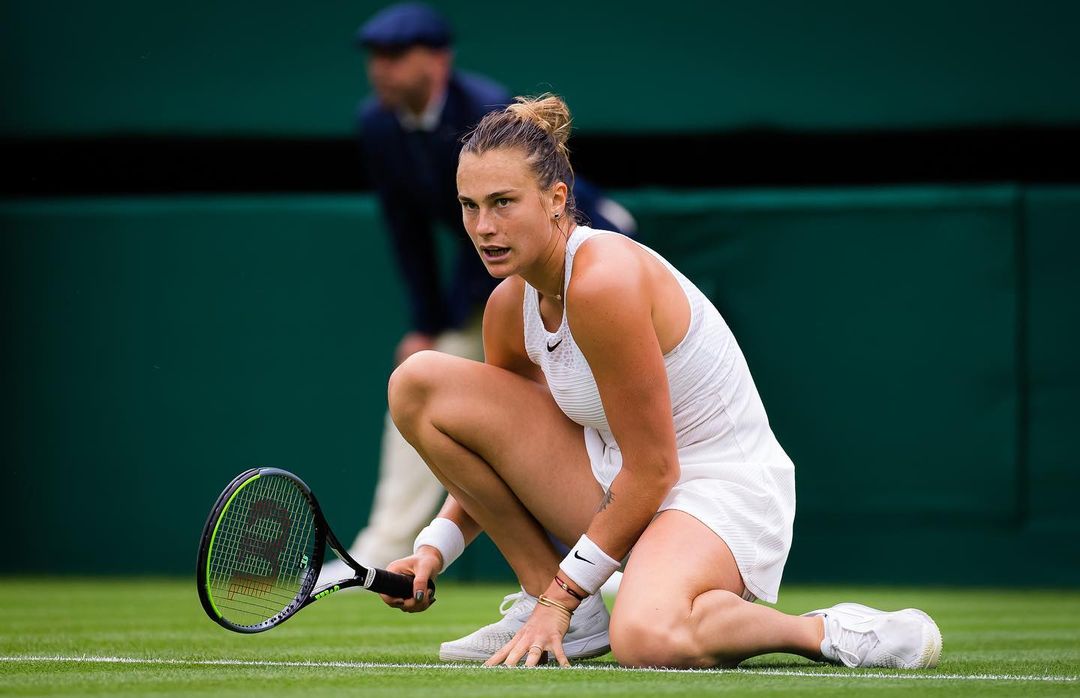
{"x": 601, "y": 211}
{"x": 411, "y": 239}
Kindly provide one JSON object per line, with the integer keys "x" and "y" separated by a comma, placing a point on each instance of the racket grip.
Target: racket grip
{"x": 397, "y": 585}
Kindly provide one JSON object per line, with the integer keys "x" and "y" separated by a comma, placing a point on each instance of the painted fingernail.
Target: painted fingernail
{"x": 419, "y": 596}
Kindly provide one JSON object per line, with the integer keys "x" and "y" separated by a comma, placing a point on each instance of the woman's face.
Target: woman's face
{"x": 507, "y": 215}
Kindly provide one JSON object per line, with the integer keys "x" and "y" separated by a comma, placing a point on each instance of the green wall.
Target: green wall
{"x": 1050, "y": 263}
{"x": 914, "y": 347}
{"x": 284, "y": 67}
{"x": 155, "y": 347}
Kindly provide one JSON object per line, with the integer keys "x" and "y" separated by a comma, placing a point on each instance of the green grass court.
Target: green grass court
{"x": 150, "y": 637}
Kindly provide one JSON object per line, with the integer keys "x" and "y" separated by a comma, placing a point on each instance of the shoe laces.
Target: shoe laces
{"x": 514, "y": 600}
{"x": 851, "y": 646}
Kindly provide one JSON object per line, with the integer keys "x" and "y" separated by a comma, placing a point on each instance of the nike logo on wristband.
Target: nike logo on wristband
{"x": 583, "y": 559}
{"x": 553, "y": 347}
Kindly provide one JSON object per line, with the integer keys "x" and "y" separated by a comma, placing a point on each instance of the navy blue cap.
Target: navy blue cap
{"x": 405, "y": 24}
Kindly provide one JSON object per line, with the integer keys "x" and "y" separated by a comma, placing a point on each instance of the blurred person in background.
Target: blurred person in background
{"x": 411, "y": 133}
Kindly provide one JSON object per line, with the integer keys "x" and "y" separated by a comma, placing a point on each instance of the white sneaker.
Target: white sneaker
{"x": 860, "y": 636}
{"x": 586, "y": 638}
{"x": 610, "y": 588}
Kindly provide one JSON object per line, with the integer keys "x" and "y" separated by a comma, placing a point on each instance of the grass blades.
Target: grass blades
{"x": 68, "y": 637}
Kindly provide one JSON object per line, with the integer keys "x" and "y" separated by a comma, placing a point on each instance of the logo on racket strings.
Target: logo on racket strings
{"x": 258, "y": 558}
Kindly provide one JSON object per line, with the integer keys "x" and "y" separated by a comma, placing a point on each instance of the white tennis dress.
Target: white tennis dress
{"x": 735, "y": 477}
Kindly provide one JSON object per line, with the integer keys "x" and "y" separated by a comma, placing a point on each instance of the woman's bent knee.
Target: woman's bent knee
{"x": 643, "y": 640}
{"x": 641, "y": 643}
{"x": 411, "y": 385}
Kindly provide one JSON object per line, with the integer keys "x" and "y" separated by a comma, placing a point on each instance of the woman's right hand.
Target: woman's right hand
{"x": 423, "y": 565}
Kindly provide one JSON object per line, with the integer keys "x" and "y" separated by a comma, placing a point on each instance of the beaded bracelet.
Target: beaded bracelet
{"x": 568, "y": 589}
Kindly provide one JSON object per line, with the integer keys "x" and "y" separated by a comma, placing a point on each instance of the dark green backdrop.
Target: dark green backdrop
{"x": 288, "y": 67}
{"x": 915, "y": 348}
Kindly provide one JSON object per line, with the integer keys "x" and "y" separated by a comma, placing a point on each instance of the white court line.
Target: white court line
{"x": 856, "y": 674}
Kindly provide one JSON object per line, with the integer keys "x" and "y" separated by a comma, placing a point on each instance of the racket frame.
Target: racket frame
{"x": 370, "y": 578}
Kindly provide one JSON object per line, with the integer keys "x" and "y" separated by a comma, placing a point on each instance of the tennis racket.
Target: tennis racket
{"x": 262, "y": 550}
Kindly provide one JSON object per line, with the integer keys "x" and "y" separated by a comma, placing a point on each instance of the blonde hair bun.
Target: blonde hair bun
{"x": 547, "y": 111}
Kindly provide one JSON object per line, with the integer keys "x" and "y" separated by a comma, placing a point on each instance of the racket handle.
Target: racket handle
{"x": 397, "y": 585}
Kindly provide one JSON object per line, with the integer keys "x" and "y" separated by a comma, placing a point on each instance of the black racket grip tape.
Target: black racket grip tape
{"x": 396, "y": 585}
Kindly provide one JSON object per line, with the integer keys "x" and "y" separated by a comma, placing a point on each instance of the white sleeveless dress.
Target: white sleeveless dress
{"x": 735, "y": 477}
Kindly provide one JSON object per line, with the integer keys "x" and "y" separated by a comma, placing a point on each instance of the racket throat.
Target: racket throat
{"x": 326, "y": 592}
{"x": 364, "y": 580}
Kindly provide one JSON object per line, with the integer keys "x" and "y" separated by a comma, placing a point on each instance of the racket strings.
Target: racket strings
{"x": 262, "y": 551}
{"x": 248, "y": 576}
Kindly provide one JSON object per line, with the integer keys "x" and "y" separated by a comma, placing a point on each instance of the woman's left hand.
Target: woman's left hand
{"x": 542, "y": 633}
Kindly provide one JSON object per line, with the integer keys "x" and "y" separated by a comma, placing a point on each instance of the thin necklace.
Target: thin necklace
{"x": 562, "y": 278}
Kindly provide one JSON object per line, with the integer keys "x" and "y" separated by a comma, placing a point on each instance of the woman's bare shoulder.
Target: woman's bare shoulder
{"x": 606, "y": 267}
{"x": 507, "y": 297}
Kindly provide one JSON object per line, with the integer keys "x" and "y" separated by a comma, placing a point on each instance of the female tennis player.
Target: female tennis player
{"x": 615, "y": 411}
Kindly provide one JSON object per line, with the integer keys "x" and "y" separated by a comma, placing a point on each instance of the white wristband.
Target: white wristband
{"x": 588, "y": 565}
{"x": 443, "y": 535}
